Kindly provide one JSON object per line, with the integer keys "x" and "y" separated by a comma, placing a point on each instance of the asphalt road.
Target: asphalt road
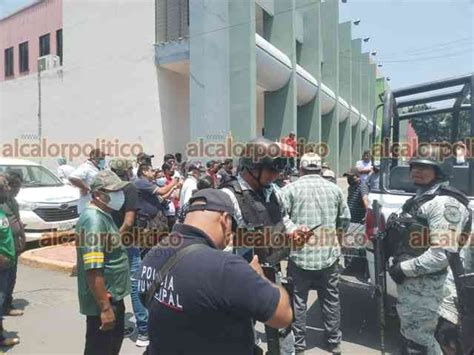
{"x": 52, "y": 323}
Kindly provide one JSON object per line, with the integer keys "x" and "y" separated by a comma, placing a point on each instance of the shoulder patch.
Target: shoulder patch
{"x": 4, "y": 222}
{"x": 452, "y": 213}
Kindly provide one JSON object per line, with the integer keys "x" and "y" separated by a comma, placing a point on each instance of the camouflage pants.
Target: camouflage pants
{"x": 419, "y": 299}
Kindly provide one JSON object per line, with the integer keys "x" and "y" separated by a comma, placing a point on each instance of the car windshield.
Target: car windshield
{"x": 33, "y": 175}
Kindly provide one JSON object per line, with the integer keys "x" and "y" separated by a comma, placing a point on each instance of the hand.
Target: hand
{"x": 254, "y": 264}
{"x": 300, "y": 236}
{"x": 397, "y": 274}
{"x": 107, "y": 317}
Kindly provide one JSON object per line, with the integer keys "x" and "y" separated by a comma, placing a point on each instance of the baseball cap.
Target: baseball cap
{"x": 310, "y": 161}
{"x": 352, "y": 172}
{"x": 329, "y": 174}
{"x": 194, "y": 165}
{"x": 107, "y": 180}
{"x": 120, "y": 164}
{"x": 144, "y": 156}
{"x": 96, "y": 153}
{"x": 211, "y": 200}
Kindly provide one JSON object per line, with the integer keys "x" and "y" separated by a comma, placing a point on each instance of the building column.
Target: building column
{"x": 345, "y": 80}
{"x": 356, "y": 45}
{"x": 280, "y": 105}
{"x": 309, "y": 115}
{"x": 330, "y": 77}
{"x": 365, "y": 87}
{"x": 222, "y": 70}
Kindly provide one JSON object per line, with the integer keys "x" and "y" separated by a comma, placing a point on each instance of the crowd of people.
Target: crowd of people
{"x": 195, "y": 247}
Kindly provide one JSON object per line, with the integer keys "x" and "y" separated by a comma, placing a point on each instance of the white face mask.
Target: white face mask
{"x": 117, "y": 199}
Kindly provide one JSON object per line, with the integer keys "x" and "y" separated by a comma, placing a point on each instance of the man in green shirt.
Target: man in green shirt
{"x": 12, "y": 211}
{"x": 7, "y": 259}
{"x": 103, "y": 274}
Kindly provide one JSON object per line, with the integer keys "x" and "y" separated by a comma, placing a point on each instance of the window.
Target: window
{"x": 9, "y": 62}
{"x": 59, "y": 45}
{"x": 23, "y": 50}
{"x": 44, "y": 45}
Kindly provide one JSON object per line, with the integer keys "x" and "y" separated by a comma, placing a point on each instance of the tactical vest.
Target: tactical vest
{"x": 264, "y": 230}
{"x": 407, "y": 233}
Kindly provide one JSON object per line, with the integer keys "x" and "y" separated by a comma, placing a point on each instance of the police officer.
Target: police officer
{"x": 418, "y": 239}
{"x": 258, "y": 206}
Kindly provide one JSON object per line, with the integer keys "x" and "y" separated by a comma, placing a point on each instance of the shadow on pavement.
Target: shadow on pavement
{"x": 8, "y": 334}
{"x": 20, "y": 303}
{"x": 359, "y": 322}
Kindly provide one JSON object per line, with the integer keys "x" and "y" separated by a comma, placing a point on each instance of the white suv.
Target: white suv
{"x": 46, "y": 204}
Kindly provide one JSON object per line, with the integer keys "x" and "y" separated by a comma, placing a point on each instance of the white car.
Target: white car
{"x": 46, "y": 204}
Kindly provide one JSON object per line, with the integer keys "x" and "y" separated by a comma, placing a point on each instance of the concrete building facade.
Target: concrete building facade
{"x": 165, "y": 73}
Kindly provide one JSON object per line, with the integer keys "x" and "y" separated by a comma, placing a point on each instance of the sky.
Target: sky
{"x": 416, "y": 40}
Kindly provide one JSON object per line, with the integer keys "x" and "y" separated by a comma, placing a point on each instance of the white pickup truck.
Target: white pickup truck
{"x": 395, "y": 185}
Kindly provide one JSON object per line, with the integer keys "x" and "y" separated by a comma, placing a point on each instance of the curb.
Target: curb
{"x": 29, "y": 258}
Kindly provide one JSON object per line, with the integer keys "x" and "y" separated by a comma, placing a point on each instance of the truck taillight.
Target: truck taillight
{"x": 370, "y": 224}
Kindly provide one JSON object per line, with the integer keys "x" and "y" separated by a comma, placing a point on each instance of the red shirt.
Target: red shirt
{"x": 290, "y": 141}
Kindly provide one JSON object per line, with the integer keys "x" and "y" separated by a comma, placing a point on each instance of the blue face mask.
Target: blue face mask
{"x": 161, "y": 181}
{"x": 117, "y": 200}
{"x": 101, "y": 164}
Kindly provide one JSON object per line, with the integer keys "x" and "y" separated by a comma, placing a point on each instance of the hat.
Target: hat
{"x": 144, "y": 156}
{"x": 310, "y": 161}
{"x": 121, "y": 165}
{"x": 329, "y": 174}
{"x": 194, "y": 165}
{"x": 212, "y": 200}
{"x": 96, "y": 153}
{"x": 107, "y": 180}
{"x": 352, "y": 172}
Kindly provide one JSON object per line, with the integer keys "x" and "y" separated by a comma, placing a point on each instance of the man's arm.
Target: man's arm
{"x": 162, "y": 191}
{"x": 78, "y": 183}
{"x": 442, "y": 224}
{"x": 96, "y": 282}
{"x": 246, "y": 293}
{"x": 128, "y": 222}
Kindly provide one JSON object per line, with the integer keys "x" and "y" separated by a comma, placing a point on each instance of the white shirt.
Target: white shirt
{"x": 189, "y": 185}
{"x": 363, "y": 165}
{"x": 64, "y": 171}
{"x": 86, "y": 173}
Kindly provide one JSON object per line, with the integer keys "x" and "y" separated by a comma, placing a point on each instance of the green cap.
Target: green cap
{"x": 120, "y": 165}
{"x": 107, "y": 180}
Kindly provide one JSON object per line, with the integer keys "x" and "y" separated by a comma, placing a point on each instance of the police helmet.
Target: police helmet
{"x": 262, "y": 153}
{"x": 436, "y": 155}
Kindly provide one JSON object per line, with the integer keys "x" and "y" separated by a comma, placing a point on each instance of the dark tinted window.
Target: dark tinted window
{"x": 9, "y": 61}
{"x": 44, "y": 45}
{"x": 59, "y": 45}
{"x": 23, "y": 50}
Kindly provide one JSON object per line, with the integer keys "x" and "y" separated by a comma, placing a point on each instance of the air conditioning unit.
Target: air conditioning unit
{"x": 48, "y": 62}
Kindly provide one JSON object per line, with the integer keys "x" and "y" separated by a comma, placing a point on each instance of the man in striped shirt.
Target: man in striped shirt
{"x": 313, "y": 201}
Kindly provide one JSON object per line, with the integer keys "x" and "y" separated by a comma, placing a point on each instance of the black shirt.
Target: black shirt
{"x": 207, "y": 302}
{"x": 355, "y": 202}
{"x": 148, "y": 202}
{"x": 130, "y": 204}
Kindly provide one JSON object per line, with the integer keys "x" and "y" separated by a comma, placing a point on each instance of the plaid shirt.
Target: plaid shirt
{"x": 311, "y": 200}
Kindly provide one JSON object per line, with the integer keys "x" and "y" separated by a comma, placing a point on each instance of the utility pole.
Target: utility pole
{"x": 40, "y": 123}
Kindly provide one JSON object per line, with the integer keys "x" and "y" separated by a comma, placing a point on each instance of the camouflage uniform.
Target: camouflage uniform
{"x": 420, "y": 295}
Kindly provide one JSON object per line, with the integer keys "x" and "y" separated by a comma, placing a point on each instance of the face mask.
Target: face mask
{"x": 117, "y": 200}
{"x": 101, "y": 164}
{"x": 161, "y": 181}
